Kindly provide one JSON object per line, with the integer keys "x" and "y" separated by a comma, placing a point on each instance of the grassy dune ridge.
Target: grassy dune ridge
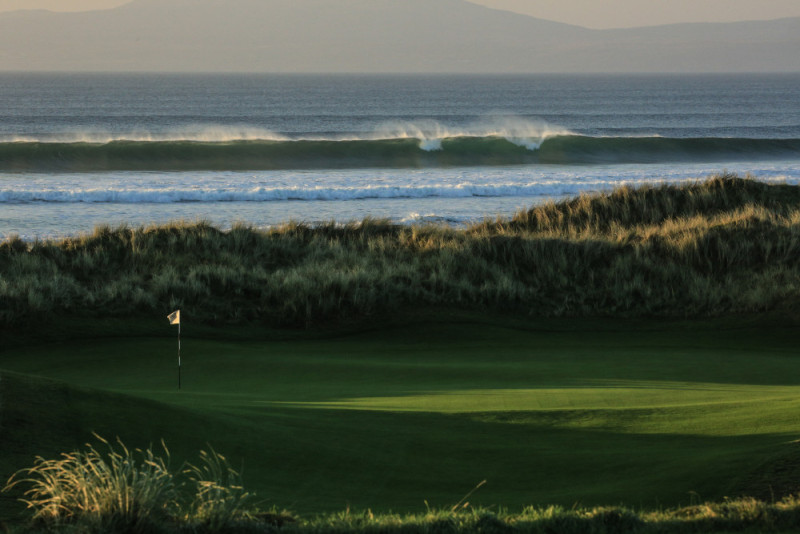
{"x": 725, "y": 245}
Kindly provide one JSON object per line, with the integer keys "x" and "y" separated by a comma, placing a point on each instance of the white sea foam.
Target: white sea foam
{"x": 281, "y": 194}
{"x": 43, "y": 206}
{"x": 348, "y": 185}
{"x": 201, "y": 133}
{"x": 429, "y": 133}
{"x": 521, "y": 132}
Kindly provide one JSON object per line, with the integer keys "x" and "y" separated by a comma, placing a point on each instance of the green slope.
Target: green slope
{"x": 636, "y": 413}
{"x": 44, "y": 417}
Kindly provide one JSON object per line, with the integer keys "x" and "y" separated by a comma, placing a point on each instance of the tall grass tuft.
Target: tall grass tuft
{"x": 219, "y": 498}
{"x": 102, "y": 492}
{"x": 132, "y": 491}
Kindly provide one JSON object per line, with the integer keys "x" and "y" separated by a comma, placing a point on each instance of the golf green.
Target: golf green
{"x": 643, "y": 414}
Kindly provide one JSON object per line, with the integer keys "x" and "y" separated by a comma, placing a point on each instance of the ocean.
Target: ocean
{"x": 79, "y": 150}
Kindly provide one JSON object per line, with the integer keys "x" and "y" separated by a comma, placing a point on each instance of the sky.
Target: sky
{"x": 587, "y": 13}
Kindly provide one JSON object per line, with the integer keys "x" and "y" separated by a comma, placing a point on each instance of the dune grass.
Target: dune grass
{"x": 115, "y": 489}
{"x": 134, "y": 492}
{"x": 124, "y": 491}
{"x": 121, "y": 491}
{"x": 725, "y": 245}
{"x": 108, "y": 491}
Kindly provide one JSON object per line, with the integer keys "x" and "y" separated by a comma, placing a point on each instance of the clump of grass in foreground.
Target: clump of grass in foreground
{"x": 725, "y": 245}
{"x": 123, "y": 491}
{"x": 219, "y": 496}
{"x": 120, "y": 490}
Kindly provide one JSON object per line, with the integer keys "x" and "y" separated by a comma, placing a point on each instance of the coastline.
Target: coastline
{"x": 42, "y": 207}
{"x": 723, "y": 246}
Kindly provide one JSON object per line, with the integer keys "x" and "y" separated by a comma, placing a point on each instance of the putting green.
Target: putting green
{"x": 390, "y": 418}
{"x": 603, "y": 396}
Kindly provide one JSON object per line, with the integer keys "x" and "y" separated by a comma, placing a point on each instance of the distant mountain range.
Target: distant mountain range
{"x": 448, "y": 36}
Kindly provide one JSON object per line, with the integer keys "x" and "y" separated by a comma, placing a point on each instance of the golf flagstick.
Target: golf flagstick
{"x": 175, "y": 318}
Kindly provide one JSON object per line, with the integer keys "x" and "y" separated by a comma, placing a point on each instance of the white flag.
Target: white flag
{"x": 174, "y": 317}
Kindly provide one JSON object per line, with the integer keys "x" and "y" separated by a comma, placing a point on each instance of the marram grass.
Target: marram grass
{"x": 219, "y": 496}
{"x": 130, "y": 490}
{"x": 123, "y": 491}
{"x": 721, "y": 246}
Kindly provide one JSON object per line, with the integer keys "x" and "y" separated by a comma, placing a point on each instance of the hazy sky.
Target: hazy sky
{"x": 589, "y": 13}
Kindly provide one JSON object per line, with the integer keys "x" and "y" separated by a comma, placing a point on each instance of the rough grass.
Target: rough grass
{"x": 111, "y": 491}
{"x": 115, "y": 489}
{"x": 725, "y": 245}
{"x": 124, "y": 491}
{"x": 135, "y": 492}
{"x": 735, "y": 515}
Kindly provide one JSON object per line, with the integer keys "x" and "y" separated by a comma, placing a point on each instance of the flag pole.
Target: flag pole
{"x": 175, "y": 318}
{"x": 179, "y": 355}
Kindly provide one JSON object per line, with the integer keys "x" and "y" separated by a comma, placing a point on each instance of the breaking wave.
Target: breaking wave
{"x": 267, "y": 194}
{"x": 400, "y": 149}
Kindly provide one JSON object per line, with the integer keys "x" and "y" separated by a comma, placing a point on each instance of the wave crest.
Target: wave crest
{"x": 266, "y": 194}
{"x": 521, "y": 132}
{"x": 397, "y": 152}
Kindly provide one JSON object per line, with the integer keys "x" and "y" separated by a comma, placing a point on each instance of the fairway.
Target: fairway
{"x": 642, "y": 413}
